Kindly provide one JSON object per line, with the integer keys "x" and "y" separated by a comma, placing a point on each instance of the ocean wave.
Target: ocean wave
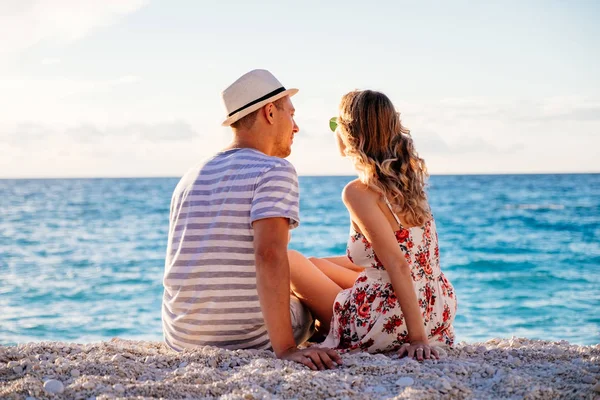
{"x": 534, "y": 207}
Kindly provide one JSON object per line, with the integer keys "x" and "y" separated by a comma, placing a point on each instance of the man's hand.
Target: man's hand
{"x": 314, "y": 358}
{"x": 419, "y": 350}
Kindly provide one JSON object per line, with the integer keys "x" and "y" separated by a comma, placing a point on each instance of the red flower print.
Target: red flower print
{"x": 429, "y": 295}
{"x": 348, "y": 255}
{"x": 402, "y": 235}
{"x": 366, "y": 243}
{"x": 403, "y": 337}
{"x": 438, "y": 330}
{"x": 359, "y": 297}
{"x": 392, "y": 323}
{"x": 364, "y": 311}
{"x": 372, "y": 310}
{"x": 427, "y": 269}
{"x": 365, "y": 346}
{"x": 423, "y": 261}
{"x": 446, "y": 315}
{"x": 391, "y": 300}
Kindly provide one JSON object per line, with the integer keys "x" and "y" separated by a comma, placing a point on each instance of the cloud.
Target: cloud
{"x": 128, "y": 79}
{"x": 430, "y": 142}
{"x": 50, "y": 61}
{"x": 28, "y": 134}
{"x": 176, "y": 130}
{"x": 571, "y": 108}
{"x": 19, "y": 91}
{"x": 24, "y": 24}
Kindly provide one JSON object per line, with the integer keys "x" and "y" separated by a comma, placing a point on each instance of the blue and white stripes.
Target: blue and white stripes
{"x": 210, "y": 295}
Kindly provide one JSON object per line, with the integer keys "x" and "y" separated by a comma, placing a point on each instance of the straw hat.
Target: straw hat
{"x": 250, "y": 92}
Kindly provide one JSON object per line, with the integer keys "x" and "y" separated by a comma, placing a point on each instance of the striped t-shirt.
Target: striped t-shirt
{"x": 210, "y": 295}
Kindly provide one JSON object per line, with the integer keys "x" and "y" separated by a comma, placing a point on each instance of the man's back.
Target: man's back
{"x": 210, "y": 293}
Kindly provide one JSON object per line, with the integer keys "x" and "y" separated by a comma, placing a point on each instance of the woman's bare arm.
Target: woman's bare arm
{"x": 363, "y": 205}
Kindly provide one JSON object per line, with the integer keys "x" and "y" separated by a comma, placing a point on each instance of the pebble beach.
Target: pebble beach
{"x": 123, "y": 369}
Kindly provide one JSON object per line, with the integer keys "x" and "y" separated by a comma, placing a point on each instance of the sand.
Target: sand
{"x": 498, "y": 369}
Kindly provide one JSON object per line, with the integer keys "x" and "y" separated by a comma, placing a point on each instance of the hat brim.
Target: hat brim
{"x": 241, "y": 114}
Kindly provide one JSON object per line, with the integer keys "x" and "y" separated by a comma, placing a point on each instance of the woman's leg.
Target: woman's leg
{"x": 344, "y": 261}
{"x": 343, "y": 273}
{"x": 315, "y": 289}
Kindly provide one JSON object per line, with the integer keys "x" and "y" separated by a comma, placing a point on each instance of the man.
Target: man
{"x": 227, "y": 278}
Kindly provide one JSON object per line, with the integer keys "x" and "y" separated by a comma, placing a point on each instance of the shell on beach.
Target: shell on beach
{"x": 500, "y": 368}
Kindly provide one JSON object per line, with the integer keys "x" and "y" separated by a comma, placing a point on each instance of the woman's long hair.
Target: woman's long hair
{"x": 383, "y": 153}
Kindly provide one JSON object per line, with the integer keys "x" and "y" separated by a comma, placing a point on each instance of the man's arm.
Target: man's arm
{"x": 273, "y": 284}
{"x": 273, "y": 280}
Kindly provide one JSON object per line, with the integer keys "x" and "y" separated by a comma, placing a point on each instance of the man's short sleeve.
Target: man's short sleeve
{"x": 276, "y": 195}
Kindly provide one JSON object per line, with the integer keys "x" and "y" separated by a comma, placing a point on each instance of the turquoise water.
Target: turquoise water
{"x": 82, "y": 259}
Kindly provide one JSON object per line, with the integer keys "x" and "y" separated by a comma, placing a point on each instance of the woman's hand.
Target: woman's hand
{"x": 421, "y": 350}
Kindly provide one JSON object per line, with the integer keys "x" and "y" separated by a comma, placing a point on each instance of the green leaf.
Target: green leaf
{"x": 333, "y": 124}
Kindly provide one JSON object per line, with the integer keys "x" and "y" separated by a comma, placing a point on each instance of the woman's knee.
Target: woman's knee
{"x": 294, "y": 255}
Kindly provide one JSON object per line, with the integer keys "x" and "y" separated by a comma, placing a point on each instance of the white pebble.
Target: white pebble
{"x": 517, "y": 362}
{"x": 117, "y": 358}
{"x": 557, "y": 351}
{"x": 30, "y": 398}
{"x": 18, "y": 369}
{"x": 118, "y": 388}
{"x": 379, "y": 389}
{"x": 75, "y": 373}
{"x": 88, "y": 385}
{"x": 441, "y": 352}
{"x": 444, "y": 385}
{"x": 53, "y": 386}
{"x": 405, "y": 381}
{"x": 588, "y": 379}
{"x": 12, "y": 364}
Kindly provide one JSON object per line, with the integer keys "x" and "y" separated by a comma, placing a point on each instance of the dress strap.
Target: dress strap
{"x": 392, "y": 211}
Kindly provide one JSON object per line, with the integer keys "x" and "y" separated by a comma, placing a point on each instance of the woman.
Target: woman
{"x": 389, "y": 292}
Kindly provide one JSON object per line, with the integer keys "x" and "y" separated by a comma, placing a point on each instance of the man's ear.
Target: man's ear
{"x": 269, "y": 110}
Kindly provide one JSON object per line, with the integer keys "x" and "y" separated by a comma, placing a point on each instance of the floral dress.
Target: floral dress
{"x": 368, "y": 316}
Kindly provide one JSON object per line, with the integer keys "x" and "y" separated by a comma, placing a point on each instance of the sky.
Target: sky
{"x": 128, "y": 88}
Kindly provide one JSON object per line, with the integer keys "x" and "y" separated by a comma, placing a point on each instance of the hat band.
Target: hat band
{"x": 266, "y": 96}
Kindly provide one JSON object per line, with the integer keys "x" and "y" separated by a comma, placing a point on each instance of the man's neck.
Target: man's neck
{"x": 248, "y": 140}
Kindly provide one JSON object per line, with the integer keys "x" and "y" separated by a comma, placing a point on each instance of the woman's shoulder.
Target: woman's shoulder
{"x": 356, "y": 191}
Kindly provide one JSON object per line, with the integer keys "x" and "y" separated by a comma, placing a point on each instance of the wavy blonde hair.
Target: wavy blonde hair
{"x": 383, "y": 153}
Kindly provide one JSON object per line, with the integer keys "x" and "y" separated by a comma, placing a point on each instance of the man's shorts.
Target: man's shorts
{"x": 302, "y": 321}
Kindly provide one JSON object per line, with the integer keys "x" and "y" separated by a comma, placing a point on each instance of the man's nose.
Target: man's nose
{"x": 296, "y": 129}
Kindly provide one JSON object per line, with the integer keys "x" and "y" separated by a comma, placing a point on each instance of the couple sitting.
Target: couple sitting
{"x": 229, "y": 273}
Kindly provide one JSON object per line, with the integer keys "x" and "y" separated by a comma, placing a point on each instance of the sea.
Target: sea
{"x": 82, "y": 260}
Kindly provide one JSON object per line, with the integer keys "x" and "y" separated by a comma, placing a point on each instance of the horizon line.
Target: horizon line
{"x": 301, "y": 175}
